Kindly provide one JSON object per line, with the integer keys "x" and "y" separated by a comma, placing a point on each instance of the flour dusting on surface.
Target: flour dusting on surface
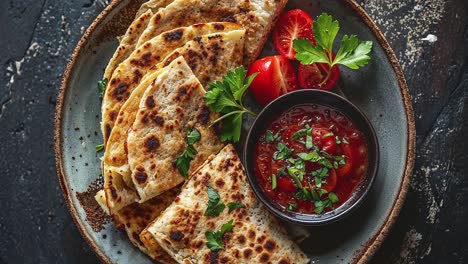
{"x": 409, "y": 26}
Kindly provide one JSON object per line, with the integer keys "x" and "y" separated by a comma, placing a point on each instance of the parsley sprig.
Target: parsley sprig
{"x": 183, "y": 161}
{"x": 215, "y": 239}
{"x": 352, "y": 53}
{"x": 227, "y": 98}
{"x": 216, "y": 205}
{"x": 102, "y": 87}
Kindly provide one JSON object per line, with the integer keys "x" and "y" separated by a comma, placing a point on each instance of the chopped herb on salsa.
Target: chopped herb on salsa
{"x": 306, "y": 161}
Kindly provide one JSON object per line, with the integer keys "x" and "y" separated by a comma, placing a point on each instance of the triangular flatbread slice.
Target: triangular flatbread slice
{"x": 177, "y": 110}
{"x": 224, "y": 48}
{"x": 256, "y": 16}
{"x": 153, "y": 5}
{"x": 128, "y": 75}
{"x": 128, "y": 42}
{"x": 256, "y": 236}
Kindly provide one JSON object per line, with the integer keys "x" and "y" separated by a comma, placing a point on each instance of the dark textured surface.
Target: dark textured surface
{"x": 38, "y": 37}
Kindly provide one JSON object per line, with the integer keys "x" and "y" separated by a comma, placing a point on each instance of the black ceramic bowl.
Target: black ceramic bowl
{"x": 301, "y": 97}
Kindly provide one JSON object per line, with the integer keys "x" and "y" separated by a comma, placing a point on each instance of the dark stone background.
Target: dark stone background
{"x": 37, "y": 38}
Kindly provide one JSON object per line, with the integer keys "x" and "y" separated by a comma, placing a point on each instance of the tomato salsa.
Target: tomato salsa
{"x": 311, "y": 159}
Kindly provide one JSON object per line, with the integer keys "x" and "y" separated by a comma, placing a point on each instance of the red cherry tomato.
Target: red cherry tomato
{"x": 331, "y": 180}
{"x": 343, "y": 170}
{"x": 318, "y": 76}
{"x": 327, "y": 144}
{"x": 286, "y": 184}
{"x": 276, "y": 76}
{"x": 292, "y": 25}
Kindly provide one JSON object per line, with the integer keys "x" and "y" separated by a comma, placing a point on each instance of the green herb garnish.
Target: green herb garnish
{"x": 183, "y": 161}
{"x": 337, "y": 140}
{"x": 269, "y": 137}
{"x": 352, "y": 53}
{"x": 226, "y": 98}
{"x": 328, "y": 135}
{"x": 283, "y": 152}
{"x": 345, "y": 141}
{"x": 233, "y": 206}
{"x": 299, "y": 134}
{"x": 329, "y": 202}
{"x": 273, "y": 182}
{"x": 215, "y": 239}
{"x": 215, "y": 205}
{"x": 99, "y": 147}
{"x": 102, "y": 87}
{"x": 292, "y": 207}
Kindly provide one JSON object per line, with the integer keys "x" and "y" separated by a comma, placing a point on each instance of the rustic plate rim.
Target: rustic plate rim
{"x": 370, "y": 247}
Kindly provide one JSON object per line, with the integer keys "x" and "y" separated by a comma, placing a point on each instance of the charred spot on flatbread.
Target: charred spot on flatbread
{"x": 152, "y": 143}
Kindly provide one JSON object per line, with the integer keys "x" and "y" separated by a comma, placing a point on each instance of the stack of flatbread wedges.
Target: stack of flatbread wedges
{"x": 156, "y": 82}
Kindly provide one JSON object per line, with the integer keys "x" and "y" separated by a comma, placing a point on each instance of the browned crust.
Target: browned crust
{"x": 373, "y": 243}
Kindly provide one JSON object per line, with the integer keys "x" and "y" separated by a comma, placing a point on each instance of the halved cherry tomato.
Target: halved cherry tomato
{"x": 318, "y": 76}
{"x": 330, "y": 181}
{"x": 326, "y": 143}
{"x": 343, "y": 170}
{"x": 286, "y": 184}
{"x": 292, "y": 25}
{"x": 276, "y": 76}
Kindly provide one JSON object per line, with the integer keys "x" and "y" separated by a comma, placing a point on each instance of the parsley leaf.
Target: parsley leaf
{"x": 215, "y": 205}
{"x": 183, "y": 161}
{"x": 215, "y": 239}
{"x": 269, "y": 137}
{"x": 226, "y": 98}
{"x": 99, "y": 147}
{"x": 307, "y": 53}
{"x": 233, "y": 206}
{"x": 193, "y": 136}
{"x": 283, "y": 152}
{"x": 299, "y": 134}
{"x": 352, "y": 53}
{"x": 102, "y": 87}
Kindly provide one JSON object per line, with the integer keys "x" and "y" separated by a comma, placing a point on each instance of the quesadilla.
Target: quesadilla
{"x": 172, "y": 105}
{"x": 224, "y": 53}
{"x": 256, "y": 16}
{"x": 153, "y": 5}
{"x": 130, "y": 72}
{"x": 128, "y": 42}
{"x": 135, "y": 218}
{"x": 256, "y": 237}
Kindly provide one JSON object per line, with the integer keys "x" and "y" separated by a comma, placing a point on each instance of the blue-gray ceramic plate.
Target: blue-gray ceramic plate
{"x": 379, "y": 90}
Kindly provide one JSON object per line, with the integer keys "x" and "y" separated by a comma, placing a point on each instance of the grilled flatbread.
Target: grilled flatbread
{"x": 136, "y": 217}
{"x": 130, "y": 72}
{"x": 153, "y": 5}
{"x": 128, "y": 42}
{"x": 256, "y": 236}
{"x": 257, "y": 17}
{"x": 223, "y": 53}
{"x": 173, "y": 104}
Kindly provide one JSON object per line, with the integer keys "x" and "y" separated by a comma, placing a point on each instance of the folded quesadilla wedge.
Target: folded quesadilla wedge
{"x": 257, "y": 16}
{"x": 153, "y": 5}
{"x": 128, "y": 75}
{"x": 128, "y": 42}
{"x": 135, "y": 218}
{"x": 168, "y": 109}
{"x": 223, "y": 52}
{"x": 256, "y": 237}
